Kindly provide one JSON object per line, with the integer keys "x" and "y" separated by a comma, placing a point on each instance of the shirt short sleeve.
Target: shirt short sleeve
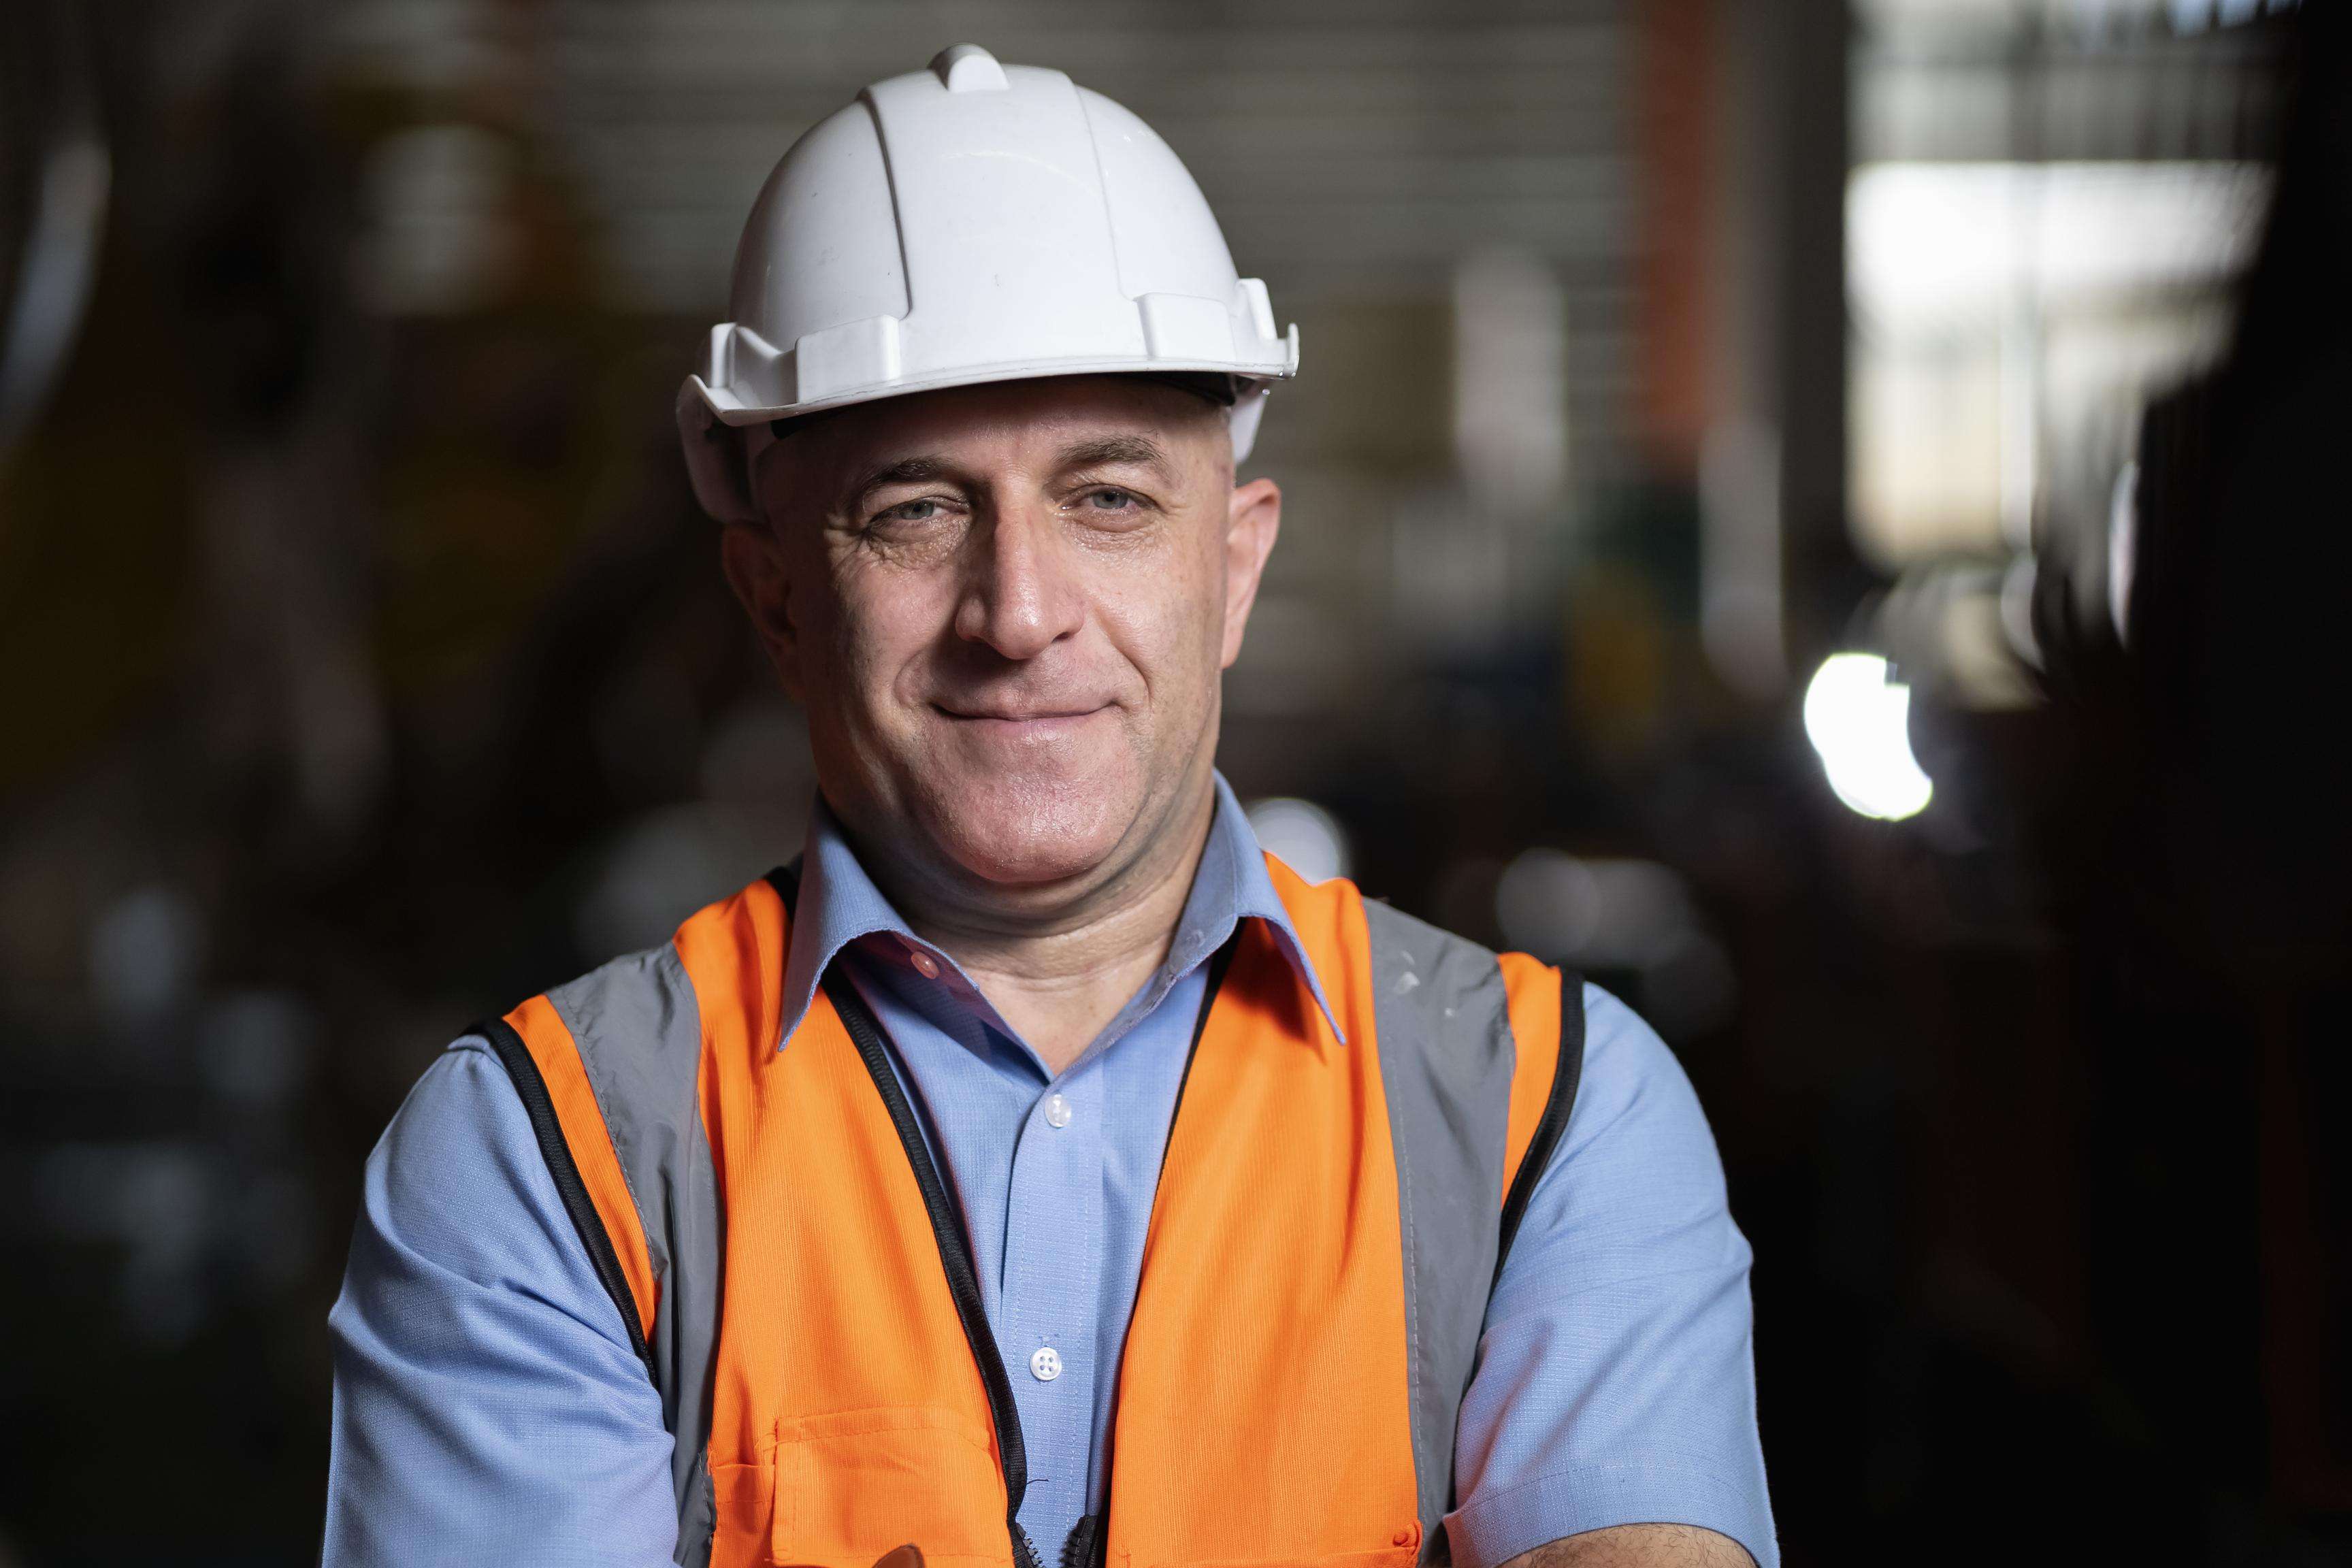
{"x": 1615, "y": 1380}
{"x": 488, "y": 1406}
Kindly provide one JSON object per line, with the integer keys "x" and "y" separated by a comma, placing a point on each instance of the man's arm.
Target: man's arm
{"x": 488, "y": 1405}
{"x": 1638, "y": 1546}
{"x": 1612, "y": 1417}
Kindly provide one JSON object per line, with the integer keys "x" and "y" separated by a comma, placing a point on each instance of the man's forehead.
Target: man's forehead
{"x": 1040, "y": 414}
{"x": 1098, "y": 419}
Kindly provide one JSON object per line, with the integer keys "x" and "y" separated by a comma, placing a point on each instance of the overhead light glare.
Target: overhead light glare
{"x": 1858, "y": 717}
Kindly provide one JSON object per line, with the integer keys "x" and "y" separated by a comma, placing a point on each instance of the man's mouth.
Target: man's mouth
{"x": 1042, "y": 719}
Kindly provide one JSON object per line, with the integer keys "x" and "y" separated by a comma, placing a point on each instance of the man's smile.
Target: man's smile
{"x": 1022, "y": 721}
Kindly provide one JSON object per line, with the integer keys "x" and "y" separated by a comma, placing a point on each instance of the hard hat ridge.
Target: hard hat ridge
{"x": 967, "y": 223}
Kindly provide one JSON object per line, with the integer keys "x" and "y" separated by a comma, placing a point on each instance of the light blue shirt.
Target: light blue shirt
{"x": 488, "y": 1406}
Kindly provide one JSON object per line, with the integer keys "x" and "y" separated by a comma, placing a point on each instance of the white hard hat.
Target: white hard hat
{"x": 971, "y": 221}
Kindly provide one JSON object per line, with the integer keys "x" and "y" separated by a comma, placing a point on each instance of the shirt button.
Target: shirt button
{"x": 1045, "y": 1365}
{"x": 926, "y": 966}
{"x": 1058, "y": 1110}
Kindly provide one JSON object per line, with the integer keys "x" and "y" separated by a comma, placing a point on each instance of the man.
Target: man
{"x": 1033, "y": 1170}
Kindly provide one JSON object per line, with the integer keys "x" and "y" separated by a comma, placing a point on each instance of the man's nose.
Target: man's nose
{"x": 1021, "y": 591}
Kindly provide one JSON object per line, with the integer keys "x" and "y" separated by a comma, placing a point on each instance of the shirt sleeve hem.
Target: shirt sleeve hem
{"x": 1492, "y": 1529}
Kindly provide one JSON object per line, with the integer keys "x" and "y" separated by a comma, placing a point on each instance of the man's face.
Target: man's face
{"x": 1005, "y": 609}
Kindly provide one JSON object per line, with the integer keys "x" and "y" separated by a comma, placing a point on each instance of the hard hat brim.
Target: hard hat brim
{"x": 730, "y": 407}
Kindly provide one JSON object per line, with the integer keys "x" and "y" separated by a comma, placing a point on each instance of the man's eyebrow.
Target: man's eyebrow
{"x": 1115, "y": 451}
{"x": 1108, "y": 451}
{"x": 905, "y": 471}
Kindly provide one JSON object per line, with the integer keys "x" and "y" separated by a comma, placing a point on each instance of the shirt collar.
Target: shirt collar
{"x": 838, "y": 904}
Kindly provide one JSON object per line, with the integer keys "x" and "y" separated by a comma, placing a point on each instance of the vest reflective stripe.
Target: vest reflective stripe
{"x": 631, "y": 1032}
{"x": 1447, "y": 1110}
{"x": 1325, "y": 1211}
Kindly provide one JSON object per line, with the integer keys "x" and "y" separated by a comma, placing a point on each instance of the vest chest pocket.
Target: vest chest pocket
{"x": 854, "y": 1484}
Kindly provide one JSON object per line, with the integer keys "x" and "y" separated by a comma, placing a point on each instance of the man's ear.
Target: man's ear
{"x": 760, "y": 575}
{"x": 714, "y": 460}
{"x": 1253, "y": 517}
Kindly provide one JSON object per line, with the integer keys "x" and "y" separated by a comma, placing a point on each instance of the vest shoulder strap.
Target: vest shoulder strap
{"x": 1479, "y": 1063}
{"x": 563, "y": 1115}
{"x": 609, "y": 1069}
{"x": 1547, "y": 1019}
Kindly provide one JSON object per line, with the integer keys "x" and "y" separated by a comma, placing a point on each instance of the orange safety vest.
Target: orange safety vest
{"x": 1329, "y": 1219}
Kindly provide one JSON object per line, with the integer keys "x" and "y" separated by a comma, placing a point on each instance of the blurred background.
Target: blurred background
{"x": 1821, "y": 516}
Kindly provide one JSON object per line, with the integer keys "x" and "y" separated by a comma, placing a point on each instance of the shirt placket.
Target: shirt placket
{"x": 1054, "y": 1248}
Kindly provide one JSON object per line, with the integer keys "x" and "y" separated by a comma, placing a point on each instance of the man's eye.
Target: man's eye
{"x": 1109, "y": 500}
{"x": 909, "y": 511}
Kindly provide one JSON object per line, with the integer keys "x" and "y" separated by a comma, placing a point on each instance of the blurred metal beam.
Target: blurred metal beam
{"x": 58, "y": 260}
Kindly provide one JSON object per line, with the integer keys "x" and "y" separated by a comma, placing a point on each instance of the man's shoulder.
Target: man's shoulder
{"x": 459, "y": 1169}
{"x": 463, "y": 1094}
{"x": 1624, "y": 1058}
{"x": 1637, "y": 1119}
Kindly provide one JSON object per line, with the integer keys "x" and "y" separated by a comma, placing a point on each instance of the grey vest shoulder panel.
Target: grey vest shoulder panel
{"x": 640, "y": 1037}
{"x": 1447, "y": 1055}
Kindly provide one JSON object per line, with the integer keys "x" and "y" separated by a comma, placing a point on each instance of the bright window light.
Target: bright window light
{"x": 1858, "y": 719}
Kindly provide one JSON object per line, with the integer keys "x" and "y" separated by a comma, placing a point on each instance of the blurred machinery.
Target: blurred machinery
{"x": 54, "y": 175}
{"x": 2048, "y": 207}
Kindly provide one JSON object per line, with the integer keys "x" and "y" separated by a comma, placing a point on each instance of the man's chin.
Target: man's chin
{"x": 1009, "y": 862}
{"x": 1033, "y": 840}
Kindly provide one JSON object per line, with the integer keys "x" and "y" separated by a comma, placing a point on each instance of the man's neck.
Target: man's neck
{"x": 1061, "y": 980}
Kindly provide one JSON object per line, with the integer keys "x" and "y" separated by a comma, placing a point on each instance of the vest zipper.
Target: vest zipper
{"x": 1094, "y": 1551}
{"x": 947, "y": 1226}
{"x": 955, "y": 1255}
